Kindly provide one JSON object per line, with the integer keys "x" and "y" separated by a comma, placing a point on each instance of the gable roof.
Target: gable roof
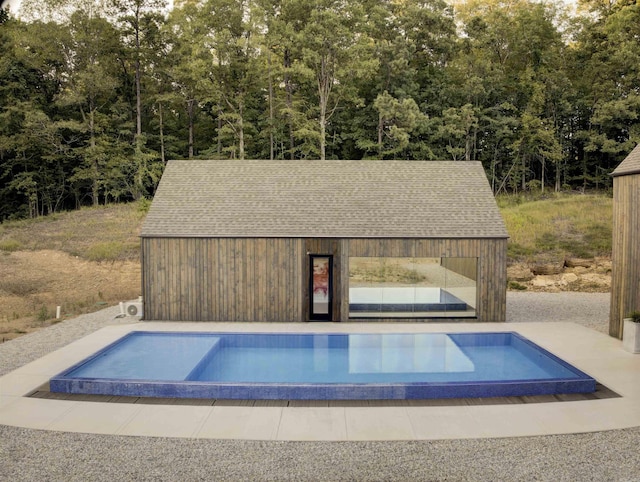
{"x": 630, "y": 165}
{"x": 324, "y": 199}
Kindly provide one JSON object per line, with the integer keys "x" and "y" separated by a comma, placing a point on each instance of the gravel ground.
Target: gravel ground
{"x": 588, "y": 309}
{"x": 40, "y": 455}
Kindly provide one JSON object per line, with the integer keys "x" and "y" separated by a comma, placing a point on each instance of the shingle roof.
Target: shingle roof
{"x": 630, "y": 165}
{"x": 324, "y": 199}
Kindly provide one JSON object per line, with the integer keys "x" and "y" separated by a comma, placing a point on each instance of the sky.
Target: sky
{"x": 14, "y": 5}
{"x": 11, "y": 4}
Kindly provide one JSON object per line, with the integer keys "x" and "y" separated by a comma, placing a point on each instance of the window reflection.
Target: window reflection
{"x": 321, "y": 294}
{"x": 416, "y": 353}
{"x": 412, "y": 287}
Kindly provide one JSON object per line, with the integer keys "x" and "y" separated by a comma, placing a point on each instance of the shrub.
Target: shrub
{"x": 10, "y": 245}
{"x": 635, "y": 316}
{"x": 143, "y": 205}
{"x": 535, "y": 185}
{"x": 108, "y": 251}
{"x": 20, "y": 287}
{"x": 42, "y": 314}
{"x": 514, "y": 285}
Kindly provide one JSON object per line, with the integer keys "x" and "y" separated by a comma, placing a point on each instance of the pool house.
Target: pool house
{"x": 283, "y": 241}
{"x": 625, "y": 269}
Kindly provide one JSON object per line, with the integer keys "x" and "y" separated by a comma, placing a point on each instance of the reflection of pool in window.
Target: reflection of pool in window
{"x": 403, "y": 299}
{"x": 412, "y": 287}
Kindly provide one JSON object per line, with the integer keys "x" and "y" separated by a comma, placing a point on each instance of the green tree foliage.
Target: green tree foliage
{"x": 32, "y": 150}
{"x": 606, "y": 72}
{"x": 92, "y": 50}
{"x": 95, "y": 95}
{"x": 397, "y": 121}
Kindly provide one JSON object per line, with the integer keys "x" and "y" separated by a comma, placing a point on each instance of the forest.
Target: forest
{"x": 96, "y": 95}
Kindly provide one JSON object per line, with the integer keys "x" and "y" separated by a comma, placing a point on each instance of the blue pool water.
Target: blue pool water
{"x": 322, "y": 366}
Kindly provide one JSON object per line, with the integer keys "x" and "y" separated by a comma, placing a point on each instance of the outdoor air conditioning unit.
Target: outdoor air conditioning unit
{"x": 133, "y": 308}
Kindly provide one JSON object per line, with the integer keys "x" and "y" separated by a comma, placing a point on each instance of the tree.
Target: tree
{"x": 92, "y": 53}
{"x": 184, "y": 65}
{"x": 606, "y": 74}
{"x": 139, "y": 20}
{"x": 32, "y": 152}
{"x": 397, "y": 121}
{"x": 335, "y": 51}
{"x": 513, "y": 57}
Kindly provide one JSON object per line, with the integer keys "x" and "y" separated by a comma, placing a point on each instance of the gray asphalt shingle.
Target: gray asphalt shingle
{"x": 630, "y": 165}
{"x": 325, "y": 199}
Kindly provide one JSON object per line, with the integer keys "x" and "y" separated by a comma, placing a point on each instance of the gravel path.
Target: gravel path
{"x": 40, "y": 455}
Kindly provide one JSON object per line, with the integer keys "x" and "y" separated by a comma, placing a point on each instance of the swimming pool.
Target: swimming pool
{"x": 322, "y": 367}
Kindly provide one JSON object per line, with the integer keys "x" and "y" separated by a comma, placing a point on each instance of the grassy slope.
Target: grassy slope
{"x": 558, "y": 227}
{"x": 105, "y": 233}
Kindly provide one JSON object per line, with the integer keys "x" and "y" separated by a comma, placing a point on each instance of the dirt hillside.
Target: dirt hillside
{"x": 34, "y": 283}
{"x": 81, "y": 261}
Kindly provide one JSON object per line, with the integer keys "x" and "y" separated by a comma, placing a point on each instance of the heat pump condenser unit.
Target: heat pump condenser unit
{"x": 133, "y": 308}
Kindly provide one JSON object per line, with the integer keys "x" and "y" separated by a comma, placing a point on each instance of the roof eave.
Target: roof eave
{"x": 310, "y": 236}
{"x": 625, "y": 173}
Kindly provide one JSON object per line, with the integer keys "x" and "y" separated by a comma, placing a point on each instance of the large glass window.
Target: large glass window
{"x": 412, "y": 287}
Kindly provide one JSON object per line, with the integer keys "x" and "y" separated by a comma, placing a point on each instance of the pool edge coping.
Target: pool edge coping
{"x": 484, "y": 421}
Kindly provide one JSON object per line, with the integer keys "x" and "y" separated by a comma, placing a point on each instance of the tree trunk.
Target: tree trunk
{"x": 219, "y": 149}
{"x": 523, "y": 179}
{"x": 162, "y": 153}
{"x": 323, "y": 147}
{"x": 271, "y": 116}
{"x": 241, "y": 131}
{"x": 138, "y": 76}
{"x": 190, "y": 115}
{"x": 584, "y": 171}
{"x": 94, "y": 164}
{"x": 324, "y": 88}
{"x": 289, "y": 90}
{"x": 380, "y": 132}
{"x": 494, "y": 162}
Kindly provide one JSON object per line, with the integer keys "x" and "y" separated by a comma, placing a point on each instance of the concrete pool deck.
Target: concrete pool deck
{"x": 595, "y": 353}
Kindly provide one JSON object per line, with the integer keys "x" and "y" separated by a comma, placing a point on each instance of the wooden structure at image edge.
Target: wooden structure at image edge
{"x": 625, "y": 271}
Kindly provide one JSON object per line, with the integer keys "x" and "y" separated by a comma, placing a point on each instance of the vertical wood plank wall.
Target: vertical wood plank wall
{"x": 223, "y": 279}
{"x": 257, "y": 279}
{"x": 625, "y": 268}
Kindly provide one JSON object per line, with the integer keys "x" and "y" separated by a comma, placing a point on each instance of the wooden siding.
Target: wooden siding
{"x": 267, "y": 279}
{"x": 625, "y": 275}
{"x": 491, "y": 285}
{"x": 223, "y": 279}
